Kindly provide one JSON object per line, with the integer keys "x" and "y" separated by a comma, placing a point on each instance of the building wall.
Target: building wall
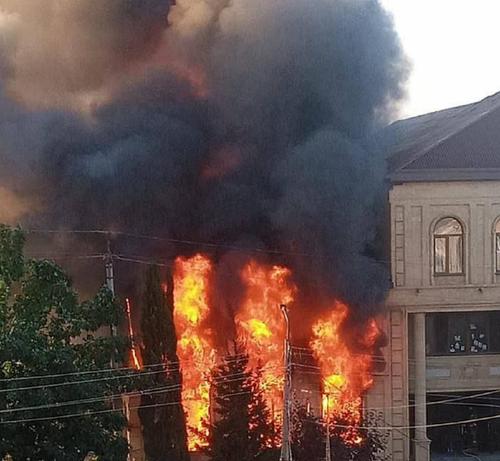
{"x": 415, "y": 208}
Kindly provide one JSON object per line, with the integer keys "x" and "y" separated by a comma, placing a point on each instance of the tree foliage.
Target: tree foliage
{"x": 45, "y": 330}
{"x": 239, "y": 429}
{"x": 162, "y": 416}
{"x": 309, "y": 438}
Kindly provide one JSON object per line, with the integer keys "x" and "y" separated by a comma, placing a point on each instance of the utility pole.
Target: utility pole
{"x": 110, "y": 275}
{"x": 286, "y": 447}
{"x": 110, "y": 283}
{"x": 328, "y": 449}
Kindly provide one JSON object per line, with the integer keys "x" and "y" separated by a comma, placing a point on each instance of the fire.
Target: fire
{"x": 261, "y": 327}
{"x": 346, "y": 372}
{"x": 347, "y": 375}
{"x": 196, "y": 354}
{"x": 133, "y": 350}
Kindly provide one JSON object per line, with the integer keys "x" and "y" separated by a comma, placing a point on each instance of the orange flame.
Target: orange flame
{"x": 261, "y": 327}
{"x": 133, "y": 350}
{"x": 346, "y": 375}
{"x": 196, "y": 354}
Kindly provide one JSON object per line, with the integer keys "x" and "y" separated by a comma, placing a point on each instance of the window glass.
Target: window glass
{"x": 472, "y": 333}
{"x": 478, "y": 340}
{"x": 440, "y": 255}
{"x": 456, "y": 326}
{"x": 448, "y": 247}
{"x": 448, "y": 226}
{"x": 455, "y": 254}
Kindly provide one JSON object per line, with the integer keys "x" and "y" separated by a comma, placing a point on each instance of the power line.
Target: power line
{"x": 91, "y": 413}
{"x": 340, "y": 426}
{"x": 167, "y": 366}
{"x": 135, "y": 375}
{"x": 168, "y": 240}
{"x": 171, "y": 388}
{"x": 103, "y": 398}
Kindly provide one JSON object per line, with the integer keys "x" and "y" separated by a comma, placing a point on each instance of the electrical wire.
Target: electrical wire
{"x": 90, "y": 413}
{"x": 104, "y": 398}
{"x": 168, "y": 240}
{"x": 171, "y": 388}
{"x": 138, "y": 374}
{"x": 167, "y": 366}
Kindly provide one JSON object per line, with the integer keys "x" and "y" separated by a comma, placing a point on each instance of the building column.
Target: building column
{"x": 421, "y": 442}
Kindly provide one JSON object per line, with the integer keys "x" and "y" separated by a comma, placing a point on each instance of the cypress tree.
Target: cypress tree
{"x": 164, "y": 426}
{"x": 240, "y": 428}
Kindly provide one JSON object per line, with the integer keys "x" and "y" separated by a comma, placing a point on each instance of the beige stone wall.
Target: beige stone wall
{"x": 415, "y": 208}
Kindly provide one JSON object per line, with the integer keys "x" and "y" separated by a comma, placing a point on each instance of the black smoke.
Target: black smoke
{"x": 243, "y": 122}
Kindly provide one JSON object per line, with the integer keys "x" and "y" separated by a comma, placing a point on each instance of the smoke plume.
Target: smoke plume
{"x": 243, "y": 122}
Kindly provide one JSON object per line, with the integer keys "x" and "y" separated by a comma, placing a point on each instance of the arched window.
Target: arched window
{"x": 448, "y": 247}
{"x": 497, "y": 246}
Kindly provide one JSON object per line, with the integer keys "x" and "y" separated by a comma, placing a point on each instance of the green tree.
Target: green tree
{"x": 240, "y": 428}
{"x": 44, "y": 330}
{"x": 162, "y": 417}
{"x": 308, "y": 435}
{"x": 309, "y": 438}
{"x": 373, "y": 441}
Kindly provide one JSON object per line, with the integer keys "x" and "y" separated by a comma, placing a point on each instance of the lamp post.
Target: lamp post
{"x": 286, "y": 448}
{"x": 328, "y": 450}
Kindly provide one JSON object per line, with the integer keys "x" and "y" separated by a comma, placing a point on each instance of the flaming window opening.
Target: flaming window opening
{"x": 194, "y": 346}
{"x": 345, "y": 374}
{"x": 260, "y": 327}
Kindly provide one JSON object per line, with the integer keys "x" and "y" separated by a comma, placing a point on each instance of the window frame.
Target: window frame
{"x": 496, "y": 251}
{"x": 447, "y": 237}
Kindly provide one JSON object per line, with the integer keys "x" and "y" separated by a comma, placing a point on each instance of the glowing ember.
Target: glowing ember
{"x": 133, "y": 350}
{"x": 261, "y": 327}
{"x": 196, "y": 355}
{"x": 346, "y": 375}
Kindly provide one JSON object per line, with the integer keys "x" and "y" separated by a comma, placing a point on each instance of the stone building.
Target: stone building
{"x": 443, "y": 316}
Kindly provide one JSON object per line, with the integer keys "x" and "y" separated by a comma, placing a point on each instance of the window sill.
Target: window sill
{"x": 463, "y": 354}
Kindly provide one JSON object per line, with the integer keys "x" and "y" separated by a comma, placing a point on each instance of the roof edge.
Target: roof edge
{"x": 451, "y": 174}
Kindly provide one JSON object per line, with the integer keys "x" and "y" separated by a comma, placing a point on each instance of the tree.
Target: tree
{"x": 44, "y": 330}
{"x": 308, "y": 435}
{"x": 372, "y": 445}
{"x": 240, "y": 428}
{"x": 164, "y": 425}
{"x": 309, "y": 438}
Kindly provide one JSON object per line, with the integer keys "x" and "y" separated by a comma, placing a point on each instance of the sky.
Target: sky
{"x": 453, "y": 46}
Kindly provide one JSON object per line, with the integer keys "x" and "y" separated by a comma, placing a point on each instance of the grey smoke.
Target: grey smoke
{"x": 54, "y": 48}
{"x": 295, "y": 90}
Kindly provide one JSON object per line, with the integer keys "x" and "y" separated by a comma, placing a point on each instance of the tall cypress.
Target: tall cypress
{"x": 164, "y": 426}
{"x": 239, "y": 429}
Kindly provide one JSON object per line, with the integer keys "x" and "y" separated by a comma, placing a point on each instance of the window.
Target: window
{"x": 448, "y": 247}
{"x": 497, "y": 246}
{"x": 463, "y": 333}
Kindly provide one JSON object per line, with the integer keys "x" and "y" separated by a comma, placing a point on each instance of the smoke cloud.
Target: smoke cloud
{"x": 55, "y": 50}
{"x": 246, "y": 122}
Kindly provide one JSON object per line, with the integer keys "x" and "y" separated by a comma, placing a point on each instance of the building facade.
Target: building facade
{"x": 441, "y": 385}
